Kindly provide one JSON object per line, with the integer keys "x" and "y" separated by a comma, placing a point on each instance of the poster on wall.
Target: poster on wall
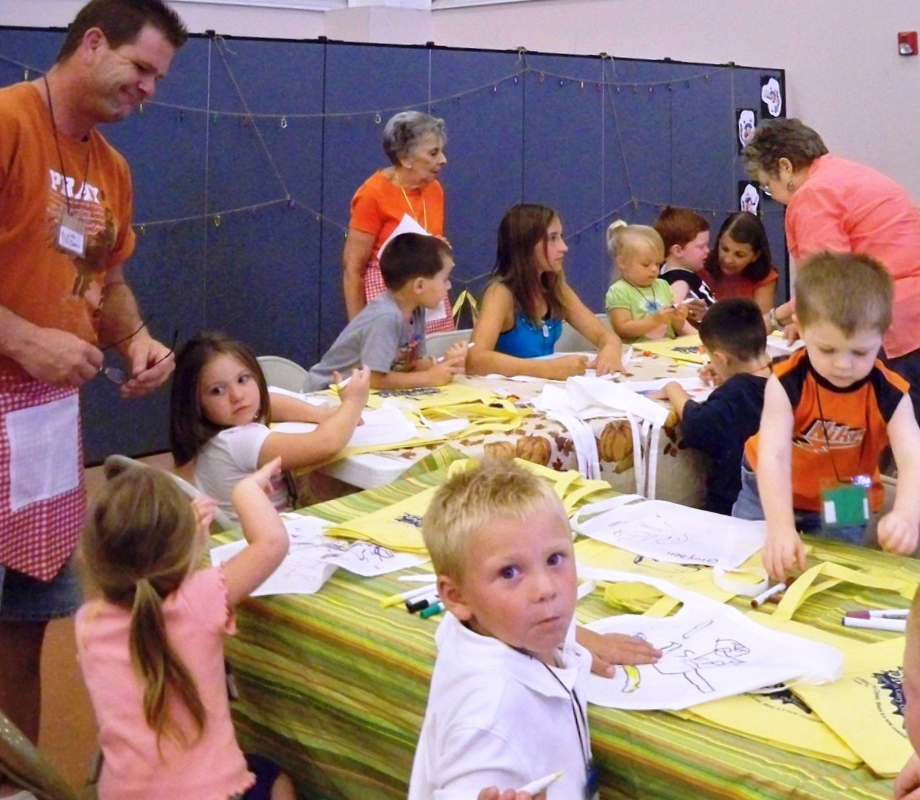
{"x": 746, "y": 121}
{"x": 748, "y": 196}
{"x": 771, "y": 97}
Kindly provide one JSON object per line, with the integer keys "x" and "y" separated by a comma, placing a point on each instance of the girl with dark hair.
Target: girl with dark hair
{"x": 528, "y": 298}
{"x": 741, "y": 264}
{"x": 220, "y": 410}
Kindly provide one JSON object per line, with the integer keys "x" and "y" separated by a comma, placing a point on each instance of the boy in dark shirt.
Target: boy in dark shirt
{"x": 734, "y": 335}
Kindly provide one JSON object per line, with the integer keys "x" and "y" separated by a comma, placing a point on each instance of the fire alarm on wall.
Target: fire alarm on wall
{"x": 907, "y": 43}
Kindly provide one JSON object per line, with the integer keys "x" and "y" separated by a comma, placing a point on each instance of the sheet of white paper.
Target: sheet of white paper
{"x": 302, "y": 572}
{"x": 777, "y": 342}
{"x": 436, "y": 314}
{"x": 591, "y": 398}
{"x": 688, "y": 384}
{"x": 407, "y": 224}
{"x": 385, "y": 425}
{"x": 312, "y": 399}
{"x": 709, "y": 651}
{"x": 44, "y": 451}
{"x": 670, "y": 532}
{"x": 445, "y": 427}
{"x": 313, "y": 557}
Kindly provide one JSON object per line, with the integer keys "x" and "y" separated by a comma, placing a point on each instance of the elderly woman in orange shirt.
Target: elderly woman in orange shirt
{"x": 840, "y": 205}
{"x": 414, "y": 143}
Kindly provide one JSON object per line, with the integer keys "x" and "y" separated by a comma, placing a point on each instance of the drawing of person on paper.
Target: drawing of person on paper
{"x": 725, "y": 653}
{"x": 655, "y": 528}
{"x": 679, "y": 659}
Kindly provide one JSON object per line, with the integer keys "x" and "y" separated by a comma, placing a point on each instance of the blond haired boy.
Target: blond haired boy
{"x": 508, "y": 698}
{"x": 829, "y": 412}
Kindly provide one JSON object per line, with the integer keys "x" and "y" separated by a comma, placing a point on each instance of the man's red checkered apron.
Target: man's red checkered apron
{"x": 38, "y": 538}
{"x": 374, "y": 285}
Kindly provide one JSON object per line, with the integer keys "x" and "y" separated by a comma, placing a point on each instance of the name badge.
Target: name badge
{"x": 72, "y": 235}
{"x": 844, "y": 506}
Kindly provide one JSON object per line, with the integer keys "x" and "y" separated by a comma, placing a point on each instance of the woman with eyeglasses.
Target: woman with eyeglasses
{"x": 839, "y": 205}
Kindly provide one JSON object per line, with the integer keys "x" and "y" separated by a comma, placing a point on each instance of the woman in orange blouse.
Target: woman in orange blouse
{"x": 414, "y": 143}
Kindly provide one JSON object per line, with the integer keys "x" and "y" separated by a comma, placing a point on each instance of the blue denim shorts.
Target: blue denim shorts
{"x": 27, "y": 599}
{"x": 749, "y": 506}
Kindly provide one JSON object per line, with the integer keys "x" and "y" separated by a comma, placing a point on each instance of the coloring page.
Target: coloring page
{"x": 670, "y": 532}
{"x": 709, "y": 651}
{"x": 384, "y": 426}
{"x": 313, "y": 557}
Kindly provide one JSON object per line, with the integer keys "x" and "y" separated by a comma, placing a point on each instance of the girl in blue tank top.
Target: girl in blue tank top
{"x": 527, "y": 300}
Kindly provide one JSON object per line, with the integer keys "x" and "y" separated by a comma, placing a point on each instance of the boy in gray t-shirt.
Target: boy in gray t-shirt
{"x": 388, "y": 335}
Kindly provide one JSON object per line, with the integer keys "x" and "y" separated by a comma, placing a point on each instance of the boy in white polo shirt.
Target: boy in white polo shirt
{"x": 508, "y": 699}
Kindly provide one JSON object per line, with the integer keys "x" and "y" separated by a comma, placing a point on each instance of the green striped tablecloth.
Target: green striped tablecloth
{"x": 334, "y": 687}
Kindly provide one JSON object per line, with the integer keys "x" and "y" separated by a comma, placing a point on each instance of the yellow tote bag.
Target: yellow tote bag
{"x": 782, "y": 719}
{"x": 865, "y": 708}
{"x": 433, "y": 396}
{"x": 495, "y": 416}
{"x": 683, "y": 348}
{"x": 572, "y": 487}
{"x": 636, "y": 597}
{"x": 397, "y": 526}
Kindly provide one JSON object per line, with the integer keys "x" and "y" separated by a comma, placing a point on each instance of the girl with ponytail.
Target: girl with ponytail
{"x": 151, "y": 646}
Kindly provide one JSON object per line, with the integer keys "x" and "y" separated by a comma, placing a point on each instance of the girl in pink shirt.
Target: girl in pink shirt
{"x": 151, "y": 647}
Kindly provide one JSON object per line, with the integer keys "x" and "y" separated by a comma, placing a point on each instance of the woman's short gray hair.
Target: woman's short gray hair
{"x": 404, "y": 130}
{"x": 780, "y": 138}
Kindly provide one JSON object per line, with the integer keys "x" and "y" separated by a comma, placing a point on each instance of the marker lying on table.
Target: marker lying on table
{"x": 762, "y": 598}
{"x": 422, "y": 603}
{"x": 884, "y": 613}
{"x": 437, "y": 608}
{"x": 469, "y": 347}
{"x": 537, "y": 786}
{"x": 429, "y": 598}
{"x": 877, "y": 623}
{"x": 411, "y": 594}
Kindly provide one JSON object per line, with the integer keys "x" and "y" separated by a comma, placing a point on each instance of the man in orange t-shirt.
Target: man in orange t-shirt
{"x": 65, "y": 231}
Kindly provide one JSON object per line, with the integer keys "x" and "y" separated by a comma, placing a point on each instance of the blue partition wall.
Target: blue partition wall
{"x": 245, "y": 163}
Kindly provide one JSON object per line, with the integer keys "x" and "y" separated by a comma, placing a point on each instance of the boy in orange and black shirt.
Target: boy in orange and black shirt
{"x": 829, "y": 412}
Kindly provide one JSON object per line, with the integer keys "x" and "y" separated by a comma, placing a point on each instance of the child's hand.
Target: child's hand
{"x": 358, "y": 388}
{"x": 664, "y": 393}
{"x": 906, "y": 785}
{"x": 204, "y": 508}
{"x": 709, "y": 376}
{"x": 665, "y": 315}
{"x": 492, "y": 793}
{"x": 456, "y": 350}
{"x": 680, "y": 315}
{"x": 262, "y": 477}
{"x": 897, "y": 533}
{"x": 443, "y": 371}
{"x": 569, "y": 366}
{"x": 610, "y": 649}
{"x": 783, "y": 552}
{"x": 609, "y": 361}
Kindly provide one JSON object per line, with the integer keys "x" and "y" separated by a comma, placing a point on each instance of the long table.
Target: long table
{"x": 334, "y": 687}
{"x": 681, "y": 472}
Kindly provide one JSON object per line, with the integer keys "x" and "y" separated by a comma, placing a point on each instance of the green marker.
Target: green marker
{"x": 436, "y": 608}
